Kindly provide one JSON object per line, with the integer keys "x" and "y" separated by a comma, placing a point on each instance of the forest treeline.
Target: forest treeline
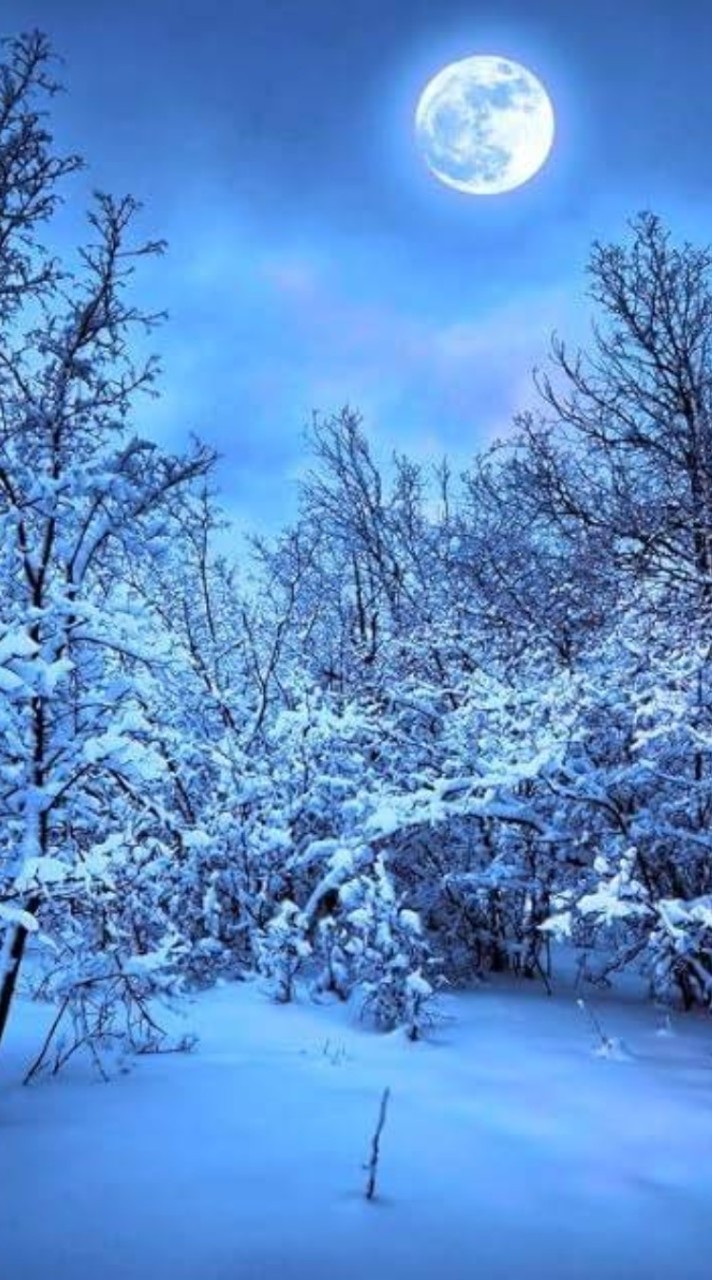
{"x": 435, "y": 725}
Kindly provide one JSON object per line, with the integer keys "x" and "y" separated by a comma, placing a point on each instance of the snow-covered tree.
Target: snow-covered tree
{"x": 82, "y": 774}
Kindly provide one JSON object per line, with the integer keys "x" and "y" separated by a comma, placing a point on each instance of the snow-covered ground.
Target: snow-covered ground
{"x": 510, "y": 1149}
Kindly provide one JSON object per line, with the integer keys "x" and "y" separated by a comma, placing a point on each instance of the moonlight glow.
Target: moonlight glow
{"x": 485, "y": 125}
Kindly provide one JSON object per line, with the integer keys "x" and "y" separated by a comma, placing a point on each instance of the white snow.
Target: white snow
{"x": 511, "y": 1149}
{"x": 14, "y": 915}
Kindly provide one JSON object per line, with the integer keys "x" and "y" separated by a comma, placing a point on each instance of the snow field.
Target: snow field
{"x": 510, "y": 1148}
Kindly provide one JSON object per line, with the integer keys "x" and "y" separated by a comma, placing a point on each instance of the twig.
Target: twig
{"x": 372, "y": 1165}
{"x": 606, "y": 1042}
{"x": 32, "y": 1071}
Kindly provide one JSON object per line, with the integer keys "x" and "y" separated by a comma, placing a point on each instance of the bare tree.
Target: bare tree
{"x": 628, "y": 450}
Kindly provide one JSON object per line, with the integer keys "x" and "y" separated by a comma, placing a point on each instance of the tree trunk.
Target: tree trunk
{"x": 12, "y": 953}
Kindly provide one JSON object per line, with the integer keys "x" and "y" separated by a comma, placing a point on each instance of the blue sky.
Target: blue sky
{"x": 313, "y": 259}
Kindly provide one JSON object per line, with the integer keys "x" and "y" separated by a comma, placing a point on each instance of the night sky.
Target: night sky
{"x": 314, "y": 261}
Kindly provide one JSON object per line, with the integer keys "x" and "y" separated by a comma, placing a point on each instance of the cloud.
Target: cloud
{"x": 412, "y": 368}
{"x": 291, "y": 276}
{"x": 264, "y": 335}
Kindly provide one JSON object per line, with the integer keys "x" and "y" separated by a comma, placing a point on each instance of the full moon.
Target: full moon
{"x": 485, "y": 125}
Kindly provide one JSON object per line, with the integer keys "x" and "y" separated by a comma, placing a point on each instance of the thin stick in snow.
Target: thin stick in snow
{"x": 606, "y": 1042}
{"x": 372, "y": 1165}
{"x": 32, "y": 1071}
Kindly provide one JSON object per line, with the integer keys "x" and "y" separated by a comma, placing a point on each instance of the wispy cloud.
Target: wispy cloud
{"x": 263, "y": 335}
